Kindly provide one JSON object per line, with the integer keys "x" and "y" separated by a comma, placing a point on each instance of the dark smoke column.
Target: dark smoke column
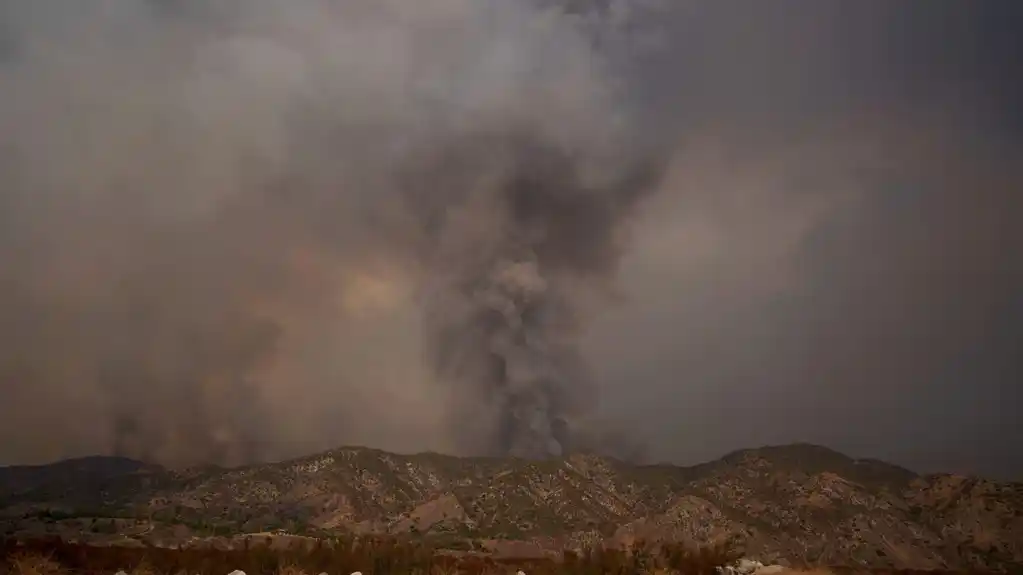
{"x": 517, "y": 240}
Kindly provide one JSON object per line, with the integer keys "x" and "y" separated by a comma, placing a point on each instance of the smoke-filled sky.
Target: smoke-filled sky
{"x": 237, "y": 230}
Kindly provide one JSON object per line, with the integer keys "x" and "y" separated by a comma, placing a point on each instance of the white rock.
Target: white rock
{"x": 520, "y": 573}
{"x": 356, "y": 572}
{"x": 748, "y": 565}
{"x": 236, "y": 572}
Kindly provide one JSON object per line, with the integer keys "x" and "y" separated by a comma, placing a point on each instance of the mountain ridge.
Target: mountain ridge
{"x": 799, "y": 503}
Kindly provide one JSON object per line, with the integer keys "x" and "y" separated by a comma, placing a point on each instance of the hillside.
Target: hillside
{"x": 790, "y": 504}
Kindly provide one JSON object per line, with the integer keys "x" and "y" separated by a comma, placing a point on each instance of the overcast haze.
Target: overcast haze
{"x": 243, "y": 230}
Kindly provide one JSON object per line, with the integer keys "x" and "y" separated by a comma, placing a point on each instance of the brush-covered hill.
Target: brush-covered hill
{"x": 797, "y": 503}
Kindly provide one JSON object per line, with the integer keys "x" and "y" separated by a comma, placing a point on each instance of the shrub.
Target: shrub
{"x": 341, "y": 556}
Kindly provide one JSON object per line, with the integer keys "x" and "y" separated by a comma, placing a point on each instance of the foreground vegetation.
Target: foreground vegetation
{"x": 343, "y": 556}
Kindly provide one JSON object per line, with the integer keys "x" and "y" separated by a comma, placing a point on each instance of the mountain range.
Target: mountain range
{"x": 797, "y": 504}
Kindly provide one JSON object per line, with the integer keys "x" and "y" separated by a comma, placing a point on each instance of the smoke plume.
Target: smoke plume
{"x": 509, "y": 272}
{"x": 209, "y": 207}
{"x": 238, "y": 230}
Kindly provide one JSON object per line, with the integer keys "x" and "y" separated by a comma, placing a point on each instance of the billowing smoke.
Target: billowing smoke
{"x": 510, "y": 272}
{"x": 220, "y": 219}
{"x": 234, "y": 230}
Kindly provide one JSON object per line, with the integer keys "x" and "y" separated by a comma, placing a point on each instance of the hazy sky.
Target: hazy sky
{"x": 207, "y": 237}
{"x": 844, "y": 265}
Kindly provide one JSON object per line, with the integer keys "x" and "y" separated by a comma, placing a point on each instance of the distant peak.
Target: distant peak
{"x": 813, "y": 459}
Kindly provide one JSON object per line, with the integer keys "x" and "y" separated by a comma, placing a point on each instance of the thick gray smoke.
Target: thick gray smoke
{"x": 221, "y": 218}
{"x": 510, "y": 272}
{"x": 251, "y": 229}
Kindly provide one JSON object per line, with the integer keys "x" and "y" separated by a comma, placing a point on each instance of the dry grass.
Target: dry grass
{"x": 341, "y": 557}
{"x": 34, "y": 563}
{"x": 144, "y": 567}
{"x": 290, "y": 570}
{"x": 374, "y": 557}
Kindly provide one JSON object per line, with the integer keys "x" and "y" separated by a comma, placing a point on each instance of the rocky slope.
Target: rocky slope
{"x": 796, "y": 504}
